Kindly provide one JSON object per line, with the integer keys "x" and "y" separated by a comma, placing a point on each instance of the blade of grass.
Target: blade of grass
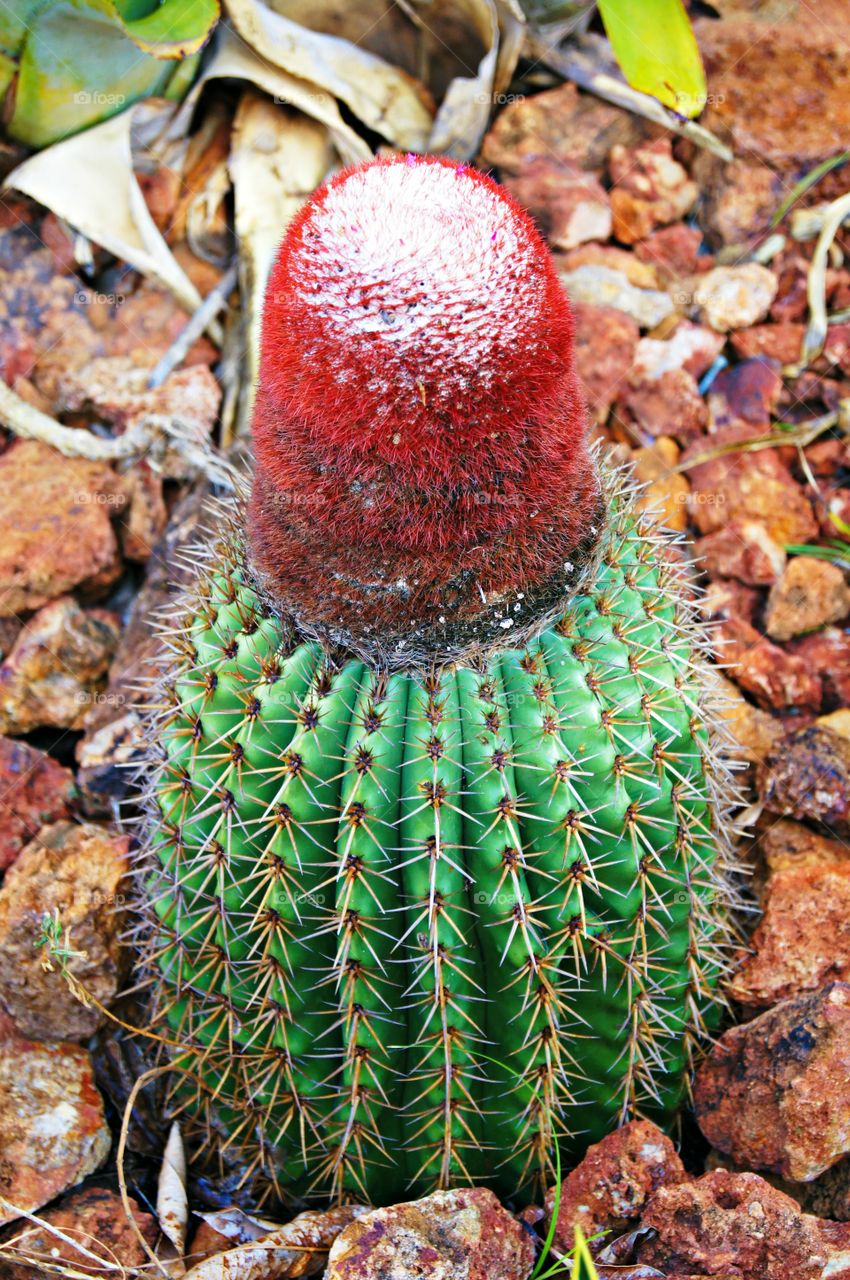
{"x": 808, "y": 180}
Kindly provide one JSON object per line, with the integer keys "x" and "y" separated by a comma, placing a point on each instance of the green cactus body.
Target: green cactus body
{"x": 418, "y": 927}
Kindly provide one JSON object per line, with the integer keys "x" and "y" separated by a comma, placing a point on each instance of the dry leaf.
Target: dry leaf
{"x": 386, "y": 99}
{"x": 172, "y": 1206}
{"x": 88, "y": 181}
{"x": 465, "y": 110}
{"x": 232, "y": 58}
{"x": 278, "y": 158}
{"x": 298, "y": 1249}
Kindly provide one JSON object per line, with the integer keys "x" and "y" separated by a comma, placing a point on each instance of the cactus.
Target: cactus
{"x": 437, "y": 875}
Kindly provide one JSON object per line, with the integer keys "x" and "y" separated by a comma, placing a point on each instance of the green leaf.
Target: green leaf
{"x": 808, "y": 180}
{"x": 654, "y": 43}
{"x": 83, "y": 61}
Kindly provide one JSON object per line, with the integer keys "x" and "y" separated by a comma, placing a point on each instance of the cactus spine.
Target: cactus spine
{"x": 420, "y": 919}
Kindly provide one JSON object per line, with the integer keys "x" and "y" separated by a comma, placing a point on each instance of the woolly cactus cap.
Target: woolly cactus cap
{"x": 421, "y": 468}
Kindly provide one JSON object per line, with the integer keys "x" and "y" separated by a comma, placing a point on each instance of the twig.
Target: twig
{"x": 145, "y": 1078}
{"x": 816, "y": 287}
{"x": 580, "y": 62}
{"x": 215, "y": 300}
{"x": 27, "y": 421}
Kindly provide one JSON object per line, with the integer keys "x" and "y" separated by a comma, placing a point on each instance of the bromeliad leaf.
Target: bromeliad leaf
{"x": 81, "y": 61}
{"x": 657, "y": 51}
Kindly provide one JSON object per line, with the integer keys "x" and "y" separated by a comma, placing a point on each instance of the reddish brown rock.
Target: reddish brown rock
{"x": 34, "y": 790}
{"x": 116, "y": 387}
{"x": 94, "y": 1218}
{"x": 674, "y": 251}
{"x": 736, "y": 1225}
{"x": 605, "y": 347}
{"x": 781, "y": 342}
{"x": 726, "y": 598}
{"x": 776, "y": 679}
{"x": 746, "y": 393}
{"x": 810, "y": 594}
{"x": 808, "y": 778}
{"x": 802, "y": 941}
{"x": 667, "y": 405}
{"x": 570, "y": 205}
{"x": 650, "y": 189}
{"x": 775, "y": 1093}
{"x": 450, "y": 1235}
{"x": 562, "y": 123}
{"x": 753, "y": 731}
{"x": 783, "y": 97}
{"x": 55, "y": 531}
{"x": 79, "y": 871}
{"x": 666, "y": 494}
{"x": 787, "y": 845}
{"x": 53, "y": 1132}
{"x": 147, "y": 515}
{"x": 741, "y": 549}
{"x": 737, "y": 200}
{"x": 610, "y": 1188}
{"x": 57, "y": 667}
{"x": 756, "y": 485}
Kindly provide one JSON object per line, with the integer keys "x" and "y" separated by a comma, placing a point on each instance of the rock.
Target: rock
{"x": 735, "y": 297}
{"x": 112, "y": 724}
{"x": 736, "y": 1225}
{"x": 35, "y": 789}
{"x": 666, "y": 494}
{"x": 775, "y": 1093}
{"x": 570, "y": 205}
{"x": 56, "y": 667}
{"x": 562, "y": 123}
{"x": 741, "y": 549}
{"x": 782, "y": 342}
{"x": 674, "y": 251}
{"x": 754, "y": 731}
{"x": 147, "y": 516}
{"x": 665, "y": 405}
{"x": 837, "y": 722}
{"x": 808, "y": 777}
{"x": 755, "y": 485}
{"x": 747, "y": 393}
{"x": 605, "y": 287}
{"x": 811, "y": 593}
{"x": 117, "y": 388}
{"x": 79, "y": 870}
{"x": 787, "y": 845}
{"x": 95, "y": 1217}
{"x": 737, "y": 200}
{"x": 616, "y": 1178}
{"x": 782, "y": 99}
{"x": 776, "y": 679}
{"x": 56, "y": 531}
{"x": 605, "y": 345}
{"x": 725, "y": 598}
{"x": 650, "y": 189}
{"x": 640, "y": 274}
{"x": 691, "y": 347}
{"x": 450, "y": 1235}
{"x": 802, "y": 941}
{"x": 53, "y": 1132}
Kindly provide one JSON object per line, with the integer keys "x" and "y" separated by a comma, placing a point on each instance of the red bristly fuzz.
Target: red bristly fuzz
{"x": 419, "y": 428}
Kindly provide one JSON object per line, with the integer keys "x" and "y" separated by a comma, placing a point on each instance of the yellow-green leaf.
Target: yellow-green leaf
{"x": 654, "y": 43}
